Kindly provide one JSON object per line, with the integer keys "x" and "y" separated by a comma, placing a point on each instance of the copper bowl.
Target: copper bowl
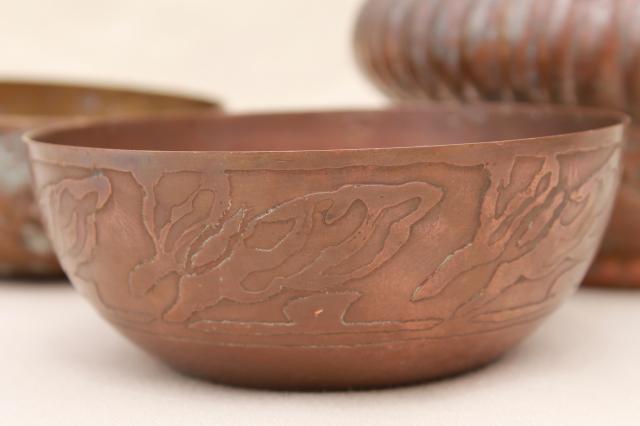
{"x": 618, "y": 263}
{"x": 24, "y": 248}
{"x": 572, "y": 52}
{"x": 330, "y": 250}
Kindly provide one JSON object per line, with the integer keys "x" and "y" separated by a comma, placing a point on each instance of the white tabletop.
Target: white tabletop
{"x": 60, "y": 364}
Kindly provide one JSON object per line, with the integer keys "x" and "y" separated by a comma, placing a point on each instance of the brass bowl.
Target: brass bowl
{"x": 330, "y": 250}
{"x": 24, "y": 248}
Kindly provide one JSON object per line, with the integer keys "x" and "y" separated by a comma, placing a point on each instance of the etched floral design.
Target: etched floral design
{"x": 541, "y": 197}
{"x": 73, "y": 224}
{"x": 441, "y": 246}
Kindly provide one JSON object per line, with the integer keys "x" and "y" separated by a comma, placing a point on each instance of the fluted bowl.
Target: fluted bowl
{"x": 572, "y": 52}
{"x": 330, "y": 250}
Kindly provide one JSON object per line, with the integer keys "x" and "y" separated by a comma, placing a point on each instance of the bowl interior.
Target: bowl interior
{"x": 333, "y": 130}
{"x": 58, "y": 100}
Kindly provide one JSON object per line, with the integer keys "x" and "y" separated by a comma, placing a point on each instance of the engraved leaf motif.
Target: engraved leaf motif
{"x": 317, "y": 260}
{"x": 72, "y": 220}
{"x": 176, "y": 221}
{"x": 528, "y": 228}
{"x": 385, "y": 214}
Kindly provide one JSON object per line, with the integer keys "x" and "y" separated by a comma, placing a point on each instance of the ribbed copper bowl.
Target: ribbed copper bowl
{"x": 330, "y": 250}
{"x": 574, "y": 52}
{"x": 24, "y": 248}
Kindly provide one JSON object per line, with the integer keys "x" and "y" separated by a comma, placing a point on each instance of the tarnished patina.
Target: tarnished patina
{"x": 330, "y": 250}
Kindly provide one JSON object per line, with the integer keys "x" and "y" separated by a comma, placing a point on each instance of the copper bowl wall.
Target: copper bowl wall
{"x": 24, "y": 248}
{"x": 574, "y": 52}
{"x": 330, "y": 250}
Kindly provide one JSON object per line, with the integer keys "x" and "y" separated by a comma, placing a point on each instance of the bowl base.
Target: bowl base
{"x": 332, "y": 368}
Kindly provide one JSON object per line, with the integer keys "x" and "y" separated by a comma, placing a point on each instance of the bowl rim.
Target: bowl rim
{"x": 192, "y": 101}
{"x": 620, "y": 122}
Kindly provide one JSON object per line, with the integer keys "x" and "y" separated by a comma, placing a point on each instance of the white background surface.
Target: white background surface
{"x": 60, "y": 364}
{"x": 255, "y": 54}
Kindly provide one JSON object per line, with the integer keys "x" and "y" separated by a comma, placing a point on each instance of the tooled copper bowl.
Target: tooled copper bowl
{"x": 24, "y": 248}
{"x": 330, "y": 250}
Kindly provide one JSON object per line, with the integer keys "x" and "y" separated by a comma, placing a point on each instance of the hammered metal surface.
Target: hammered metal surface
{"x": 574, "y": 52}
{"x": 24, "y": 248}
{"x": 330, "y": 268}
